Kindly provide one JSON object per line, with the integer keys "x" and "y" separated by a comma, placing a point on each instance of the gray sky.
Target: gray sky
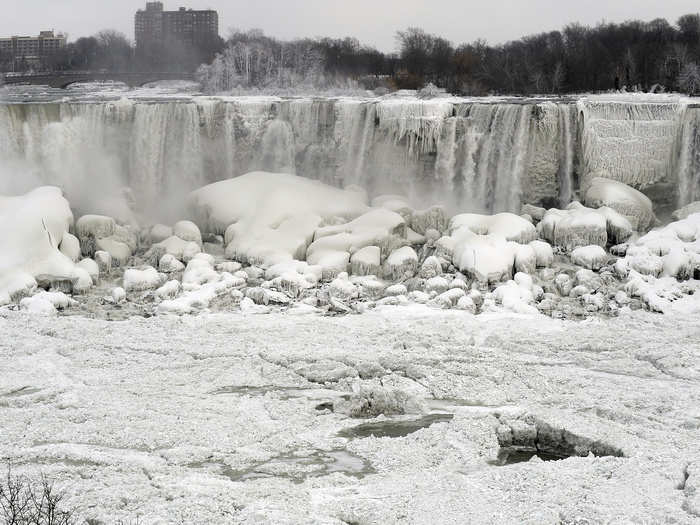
{"x": 372, "y": 21}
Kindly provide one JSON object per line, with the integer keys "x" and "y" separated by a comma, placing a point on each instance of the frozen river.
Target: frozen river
{"x": 228, "y": 418}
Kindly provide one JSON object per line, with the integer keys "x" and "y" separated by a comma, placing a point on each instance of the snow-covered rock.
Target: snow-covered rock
{"x": 138, "y": 280}
{"x": 169, "y": 264}
{"x": 104, "y": 261}
{"x": 625, "y": 200}
{"x": 516, "y": 297}
{"x": 431, "y": 267}
{"x": 188, "y": 231}
{"x": 36, "y": 305}
{"x": 118, "y": 294}
{"x": 507, "y": 225}
{"x": 544, "y": 254}
{"x": 341, "y": 288}
{"x": 91, "y": 267}
{"x": 96, "y": 226}
{"x": 525, "y": 258}
{"x": 160, "y": 232}
{"x": 119, "y": 252}
{"x": 401, "y": 263}
{"x": 486, "y": 258}
{"x": 437, "y": 284}
{"x": 434, "y": 218}
{"x": 169, "y": 290}
{"x": 366, "y": 261}
{"x": 379, "y": 227}
{"x": 591, "y": 257}
{"x": 574, "y": 227}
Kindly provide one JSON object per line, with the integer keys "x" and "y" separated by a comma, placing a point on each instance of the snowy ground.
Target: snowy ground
{"x": 228, "y": 418}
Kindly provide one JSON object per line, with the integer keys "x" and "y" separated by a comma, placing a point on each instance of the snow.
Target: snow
{"x": 196, "y": 403}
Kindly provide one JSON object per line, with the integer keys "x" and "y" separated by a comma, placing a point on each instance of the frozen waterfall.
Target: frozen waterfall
{"x": 469, "y": 154}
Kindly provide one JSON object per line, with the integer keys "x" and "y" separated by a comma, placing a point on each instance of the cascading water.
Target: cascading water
{"x": 471, "y": 155}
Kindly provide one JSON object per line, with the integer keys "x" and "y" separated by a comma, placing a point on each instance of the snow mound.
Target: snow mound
{"x": 32, "y": 226}
{"x": 625, "y": 200}
{"x": 270, "y": 217}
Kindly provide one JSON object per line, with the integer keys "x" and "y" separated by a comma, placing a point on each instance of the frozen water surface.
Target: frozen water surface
{"x": 211, "y": 419}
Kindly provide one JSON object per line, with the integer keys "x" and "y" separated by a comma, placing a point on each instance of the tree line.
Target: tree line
{"x": 632, "y": 56}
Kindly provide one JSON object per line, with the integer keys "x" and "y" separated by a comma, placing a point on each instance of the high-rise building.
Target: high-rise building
{"x": 31, "y": 48}
{"x": 184, "y": 26}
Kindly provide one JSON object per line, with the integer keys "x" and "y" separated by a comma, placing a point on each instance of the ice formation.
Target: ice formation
{"x": 32, "y": 227}
{"x": 270, "y": 217}
{"x": 627, "y": 201}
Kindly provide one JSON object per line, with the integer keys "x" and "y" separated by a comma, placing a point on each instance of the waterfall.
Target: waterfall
{"x": 471, "y": 155}
{"x": 688, "y": 160}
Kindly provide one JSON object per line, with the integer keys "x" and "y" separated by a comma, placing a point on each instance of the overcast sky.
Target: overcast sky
{"x": 372, "y": 21}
